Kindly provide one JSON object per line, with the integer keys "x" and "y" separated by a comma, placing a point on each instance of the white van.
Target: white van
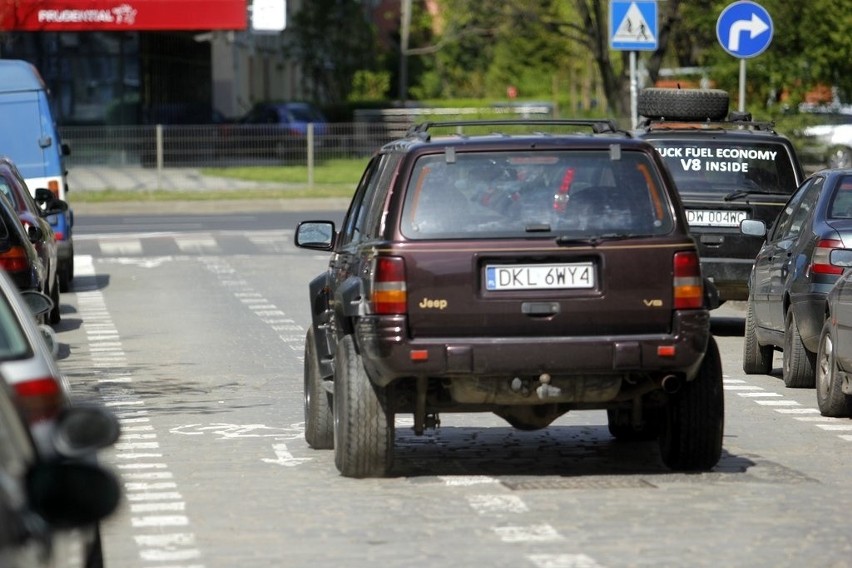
{"x": 29, "y": 136}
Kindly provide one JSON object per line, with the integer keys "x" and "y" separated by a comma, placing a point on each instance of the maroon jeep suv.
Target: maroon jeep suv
{"x": 524, "y": 268}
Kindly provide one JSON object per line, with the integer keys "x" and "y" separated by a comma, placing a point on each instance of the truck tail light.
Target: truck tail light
{"x": 53, "y": 186}
{"x": 688, "y": 285}
{"x": 820, "y": 263}
{"x": 389, "y": 291}
{"x": 40, "y": 399}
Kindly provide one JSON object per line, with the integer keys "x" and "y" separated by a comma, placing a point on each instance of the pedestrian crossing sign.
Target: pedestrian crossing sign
{"x": 633, "y": 25}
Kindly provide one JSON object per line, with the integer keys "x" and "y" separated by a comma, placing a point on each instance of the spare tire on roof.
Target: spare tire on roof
{"x": 683, "y": 104}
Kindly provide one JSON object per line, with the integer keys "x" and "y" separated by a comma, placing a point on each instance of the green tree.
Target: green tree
{"x": 333, "y": 41}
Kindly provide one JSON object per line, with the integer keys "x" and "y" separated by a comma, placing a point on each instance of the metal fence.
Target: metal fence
{"x": 221, "y": 145}
{"x": 234, "y": 144}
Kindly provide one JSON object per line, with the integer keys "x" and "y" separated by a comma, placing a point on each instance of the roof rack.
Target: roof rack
{"x": 722, "y": 124}
{"x": 598, "y": 126}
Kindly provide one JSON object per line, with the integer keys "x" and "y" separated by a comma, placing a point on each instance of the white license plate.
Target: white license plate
{"x": 540, "y": 276}
{"x": 714, "y": 218}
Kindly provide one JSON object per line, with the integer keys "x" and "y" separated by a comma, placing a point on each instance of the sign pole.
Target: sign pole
{"x": 744, "y": 29}
{"x": 634, "y": 92}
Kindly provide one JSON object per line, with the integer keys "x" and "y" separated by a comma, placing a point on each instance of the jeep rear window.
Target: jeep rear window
{"x": 725, "y": 166}
{"x": 583, "y": 193}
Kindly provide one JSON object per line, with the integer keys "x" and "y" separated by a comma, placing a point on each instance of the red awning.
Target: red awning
{"x": 121, "y": 15}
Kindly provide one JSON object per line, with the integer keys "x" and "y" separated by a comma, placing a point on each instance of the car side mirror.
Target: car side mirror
{"x": 34, "y": 234}
{"x": 316, "y": 235}
{"x": 37, "y": 302}
{"x": 83, "y": 429}
{"x": 753, "y": 227}
{"x": 43, "y": 195}
{"x": 70, "y": 494}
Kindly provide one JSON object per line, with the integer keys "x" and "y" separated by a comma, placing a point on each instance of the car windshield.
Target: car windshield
{"x": 841, "y": 204}
{"x": 582, "y": 194}
{"x": 725, "y": 166}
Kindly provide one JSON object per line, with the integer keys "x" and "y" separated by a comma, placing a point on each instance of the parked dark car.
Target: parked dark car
{"x": 834, "y": 355}
{"x": 42, "y": 393}
{"x": 279, "y": 130}
{"x": 792, "y": 275}
{"x": 517, "y": 272}
{"x": 49, "y": 503}
{"x": 727, "y": 168}
{"x": 18, "y": 255}
{"x": 34, "y": 214}
{"x": 183, "y": 134}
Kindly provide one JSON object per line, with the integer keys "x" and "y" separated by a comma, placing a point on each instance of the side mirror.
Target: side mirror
{"x": 49, "y": 203}
{"x": 43, "y": 195}
{"x": 753, "y": 227}
{"x": 316, "y": 235}
{"x": 35, "y": 234}
{"x": 37, "y": 302}
{"x": 72, "y": 494}
{"x": 841, "y": 257}
{"x": 83, "y": 429}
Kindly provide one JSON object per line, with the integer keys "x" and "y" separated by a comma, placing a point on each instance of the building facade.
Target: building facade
{"x": 148, "y": 61}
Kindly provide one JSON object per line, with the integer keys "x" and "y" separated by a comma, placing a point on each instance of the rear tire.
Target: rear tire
{"x": 319, "y": 421}
{"x": 832, "y": 401}
{"x": 55, "y": 316}
{"x": 691, "y": 438}
{"x": 799, "y": 363}
{"x": 66, "y": 272}
{"x": 757, "y": 358}
{"x": 363, "y": 426}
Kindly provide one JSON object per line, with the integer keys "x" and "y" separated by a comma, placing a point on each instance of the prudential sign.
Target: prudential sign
{"x": 744, "y": 29}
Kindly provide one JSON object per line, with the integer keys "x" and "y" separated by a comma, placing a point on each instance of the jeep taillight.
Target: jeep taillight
{"x": 389, "y": 291}
{"x": 820, "y": 264}
{"x": 688, "y": 285}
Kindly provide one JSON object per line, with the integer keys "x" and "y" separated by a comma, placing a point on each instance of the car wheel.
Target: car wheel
{"x": 66, "y": 272}
{"x": 831, "y": 399}
{"x": 363, "y": 427}
{"x": 840, "y": 157}
{"x": 757, "y": 358}
{"x": 691, "y": 437}
{"x": 619, "y": 422}
{"x": 798, "y": 368}
{"x": 319, "y": 422}
{"x": 55, "y": 315}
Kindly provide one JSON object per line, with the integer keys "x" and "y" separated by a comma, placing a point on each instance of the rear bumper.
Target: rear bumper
{"x": 390, "y": 355}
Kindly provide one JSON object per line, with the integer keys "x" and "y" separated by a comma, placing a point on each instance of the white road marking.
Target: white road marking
{"x": 777, "y": 402}
{"x": 531, "y": 533}
{"x": 284, "y": 457}
{"x": 563, "y": 561}
{"x": 466, "y": 480}
{"x": 130, "y": 246}
{"x": 758, "y": 394}
{"x": 497, "y": 504}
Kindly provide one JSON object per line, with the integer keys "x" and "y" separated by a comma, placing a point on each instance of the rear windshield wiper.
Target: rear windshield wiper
{"x": 593, "y": 240}
{"x": 739, "y": 193}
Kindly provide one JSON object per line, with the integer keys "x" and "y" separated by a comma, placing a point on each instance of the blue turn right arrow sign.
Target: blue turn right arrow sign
{"x": 744, "y": 29}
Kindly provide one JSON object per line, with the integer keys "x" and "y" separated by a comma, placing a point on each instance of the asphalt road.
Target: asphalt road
{"x": 195, "y": 339}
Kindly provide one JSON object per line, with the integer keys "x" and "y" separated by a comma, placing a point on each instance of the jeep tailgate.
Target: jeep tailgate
{"x": 613, "y": 288}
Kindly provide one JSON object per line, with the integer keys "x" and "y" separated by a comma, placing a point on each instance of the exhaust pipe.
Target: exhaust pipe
{"x": 671, "y": 384}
